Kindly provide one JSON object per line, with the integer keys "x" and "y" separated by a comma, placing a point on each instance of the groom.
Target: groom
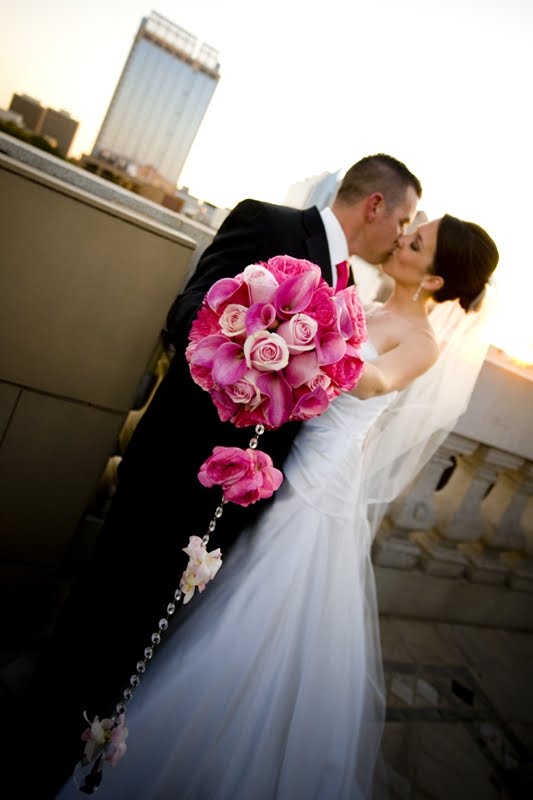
{"x": 136, "y": 565}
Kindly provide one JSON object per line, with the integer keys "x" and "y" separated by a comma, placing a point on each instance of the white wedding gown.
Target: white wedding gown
{"x": 272, "y": 688}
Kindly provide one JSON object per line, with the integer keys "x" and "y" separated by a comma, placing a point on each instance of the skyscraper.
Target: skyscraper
{"x": 160, "y": 100}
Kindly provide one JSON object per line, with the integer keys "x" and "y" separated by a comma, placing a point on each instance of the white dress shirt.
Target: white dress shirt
{"x": 337, "y": 244}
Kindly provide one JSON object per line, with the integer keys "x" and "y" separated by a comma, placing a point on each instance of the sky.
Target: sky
{"x": 309, "y": 86}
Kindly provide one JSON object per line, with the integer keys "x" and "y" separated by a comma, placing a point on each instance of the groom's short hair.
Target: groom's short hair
{"x": 377, "y": 173}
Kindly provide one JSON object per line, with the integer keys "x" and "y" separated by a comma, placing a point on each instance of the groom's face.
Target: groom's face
{"x": 389, "y": 224}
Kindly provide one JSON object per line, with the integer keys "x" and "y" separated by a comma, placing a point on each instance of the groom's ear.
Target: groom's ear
{"x": 374, "y": 205}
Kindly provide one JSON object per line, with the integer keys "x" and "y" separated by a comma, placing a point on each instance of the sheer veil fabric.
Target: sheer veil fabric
{"x": 413, "y": 427}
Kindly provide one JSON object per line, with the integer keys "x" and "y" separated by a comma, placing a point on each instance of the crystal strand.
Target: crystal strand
{"x": 155, "y": 638}
{"x": 259, "y": 429}
{"x": 163, "y": 624}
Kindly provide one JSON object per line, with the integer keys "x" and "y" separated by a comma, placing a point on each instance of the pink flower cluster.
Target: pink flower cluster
{"x": 276, "y": 343}
{"x": 245, "y": 476}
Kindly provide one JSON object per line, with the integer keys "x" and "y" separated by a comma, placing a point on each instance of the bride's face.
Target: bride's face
{"x": 414, "y": 256}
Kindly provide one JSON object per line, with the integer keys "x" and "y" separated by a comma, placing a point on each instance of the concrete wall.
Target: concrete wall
{"x": 500, "y": 412}
{"x": 84, "y": 289}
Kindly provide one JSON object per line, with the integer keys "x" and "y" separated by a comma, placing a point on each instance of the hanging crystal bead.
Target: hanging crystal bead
{"x": 171, "y": 608}
{"x": 156, "y": 638}
{"x": 177, "y": 595}
{"x": 163, "y": 624}
{"x": 148, "y": 652}
{"x": 127, "y": 693}
{"x": 141, "y": 666}
{"x": 135, "y": 680}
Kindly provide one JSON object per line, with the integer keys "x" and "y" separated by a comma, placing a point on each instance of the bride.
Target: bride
{"x": 270, "y": 687}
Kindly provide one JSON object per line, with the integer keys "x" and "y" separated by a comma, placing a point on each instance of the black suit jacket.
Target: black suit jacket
{"x": 156, "y": 462}
{"x": 137, "y": 562}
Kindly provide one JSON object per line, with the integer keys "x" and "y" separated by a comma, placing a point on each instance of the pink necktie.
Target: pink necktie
{"x": 342, "y": 276}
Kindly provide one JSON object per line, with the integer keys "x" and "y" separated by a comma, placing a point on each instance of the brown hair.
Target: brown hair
{"x": 465, "y": 258}
{"x": 378, "y": 173}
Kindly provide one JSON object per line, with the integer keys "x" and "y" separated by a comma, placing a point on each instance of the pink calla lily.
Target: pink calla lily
{"x": 278, "y": 391}
{"x": 344, "y": 320}
{"x": 227, "y": 290}
{"x": 229, "y": 364}
{"x": 311, "y": 404}
{"x": 294, "y": 295}
{"x": 301, "y": 369}
{"x": 206, "y": 349}
{"x": 259, "y": 317}
{"x": 330, "y": 348}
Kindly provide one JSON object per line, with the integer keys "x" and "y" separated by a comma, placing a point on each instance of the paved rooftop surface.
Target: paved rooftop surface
{"x": 459, "y": 710}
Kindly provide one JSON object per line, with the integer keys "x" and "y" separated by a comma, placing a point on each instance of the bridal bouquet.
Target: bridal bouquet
{"x": 274, "y": 344}
{"x": 271, "y": 345}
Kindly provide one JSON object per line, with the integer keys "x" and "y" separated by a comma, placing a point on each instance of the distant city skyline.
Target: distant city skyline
{"x": 307, "y": 88}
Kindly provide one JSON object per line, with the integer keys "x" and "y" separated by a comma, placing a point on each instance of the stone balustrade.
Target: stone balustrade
{"x": 467, "y": 519}
{"x": 471, "y": 524}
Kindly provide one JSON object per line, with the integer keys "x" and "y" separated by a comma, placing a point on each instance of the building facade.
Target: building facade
{"x": 30, "y": 109}
{"x": 160, "y": 100}
{"x": 59, "y": 126}
{"x": 317, "y": 191}
{"x": 56, "y": 126}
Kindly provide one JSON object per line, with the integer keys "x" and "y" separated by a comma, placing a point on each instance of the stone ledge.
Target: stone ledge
{"x": 419, "y": 595}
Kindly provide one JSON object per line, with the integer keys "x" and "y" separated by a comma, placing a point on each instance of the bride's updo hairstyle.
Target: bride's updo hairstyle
{"x": 465, "y": 258}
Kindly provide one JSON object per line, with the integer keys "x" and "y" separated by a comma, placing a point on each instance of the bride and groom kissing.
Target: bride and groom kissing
{"x": 269, "y": 684}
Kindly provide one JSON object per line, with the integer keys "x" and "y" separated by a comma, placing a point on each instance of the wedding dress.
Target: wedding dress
{"x": 271, "y": 686}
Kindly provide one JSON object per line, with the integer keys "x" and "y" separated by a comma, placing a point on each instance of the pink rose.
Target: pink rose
{"x": 266, "y": 351}
{"x": 261, "y": 283}
{"x": 245, "y": 476}
{"x": 323, "y": 308}
{"x": 299, "y": 332}
{"x": 202, "y": 376}
{"x": 345, "y": 373}
{"x": 232, "y": 320}
{"x": 245, "y": 390}
{"x": 225, "y": 466}
{"x": 283, "y": 267}
{"x": 261, "y": 482}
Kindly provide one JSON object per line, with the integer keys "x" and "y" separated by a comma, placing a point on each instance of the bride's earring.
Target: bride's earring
{"x": 417, "y": 293}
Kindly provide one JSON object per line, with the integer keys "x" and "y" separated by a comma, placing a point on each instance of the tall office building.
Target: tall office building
{"x": 160, "y": 100}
